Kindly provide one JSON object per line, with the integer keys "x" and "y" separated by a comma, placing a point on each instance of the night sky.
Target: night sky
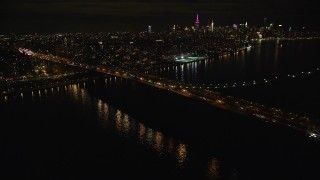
{"x": 31, "y": 16}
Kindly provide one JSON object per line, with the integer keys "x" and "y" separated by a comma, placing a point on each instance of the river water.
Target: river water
{"x": 265, "y": 60}
{"x": 111, "y": 128}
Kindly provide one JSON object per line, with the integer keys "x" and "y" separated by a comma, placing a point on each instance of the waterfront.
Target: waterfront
{"x": 265, "y": 60}
{"x": 76, "y": 131}
{"x": 96, "y": 128}
{"x": 159, "y": 90}
{"x": 279, "y": 73}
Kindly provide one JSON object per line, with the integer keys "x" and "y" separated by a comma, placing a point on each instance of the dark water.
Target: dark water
{"x": 266, "y": 60}
{"x": 111, "y": 128}
{"x": 76, "y": 132}
{"x": 66, "y": 132}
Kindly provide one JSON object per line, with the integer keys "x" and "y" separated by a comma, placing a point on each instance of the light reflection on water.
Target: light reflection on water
{"x": 127, "y": 127}
{"x": 265, "y": 59}
{"x": 123, "y": 125}
{"x": 182, "y": 154}
{"x": 158, "y": 141}
{"x": 182, "y": 72}
{"x": 213, "y": 169}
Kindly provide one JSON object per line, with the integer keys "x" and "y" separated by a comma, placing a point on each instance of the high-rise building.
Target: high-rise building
{"x": 270, "y": 26}
{"x": 235, "y": 26}
{"x": 197, "y": 23}
{"x": 149, "y": 29}
{"x": 212, "y": 25}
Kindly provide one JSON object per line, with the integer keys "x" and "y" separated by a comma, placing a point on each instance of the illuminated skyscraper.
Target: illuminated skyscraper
{"x": 149, "y": 29}
{"x": 212, "y": 24}
{"x": 197, "y": 23}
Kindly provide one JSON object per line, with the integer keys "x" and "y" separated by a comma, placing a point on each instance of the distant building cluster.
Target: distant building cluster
{"x": 135, "y": 51}
{"x": 268, "y": 30}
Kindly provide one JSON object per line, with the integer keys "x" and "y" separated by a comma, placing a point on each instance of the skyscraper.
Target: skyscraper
{"x": 197, "y": 23}
{"x": 149, "y": 29}
{"x": 212, "y": 24}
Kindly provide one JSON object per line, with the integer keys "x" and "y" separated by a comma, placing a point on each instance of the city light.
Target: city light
{"x": 160, "y": 89}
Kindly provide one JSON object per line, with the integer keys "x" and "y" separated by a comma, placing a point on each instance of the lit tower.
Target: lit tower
{"x": 197, "y": 23}
{"x": 149, "y": 29}
{"x": 212, "y": 24}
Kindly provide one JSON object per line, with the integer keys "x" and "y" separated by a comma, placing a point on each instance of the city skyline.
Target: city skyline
{"x": 137, "y": 89}
{"x": 129, "y": 15}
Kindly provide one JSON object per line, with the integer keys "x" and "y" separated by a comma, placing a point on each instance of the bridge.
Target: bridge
{"x": 244, "y": 107}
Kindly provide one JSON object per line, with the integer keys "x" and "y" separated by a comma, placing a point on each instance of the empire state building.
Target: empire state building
{"x": 197, "y": 23}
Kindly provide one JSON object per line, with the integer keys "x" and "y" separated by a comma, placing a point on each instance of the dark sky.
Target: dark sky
{"x": 29, "y": 16}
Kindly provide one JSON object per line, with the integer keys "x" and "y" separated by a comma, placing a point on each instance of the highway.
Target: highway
{"x": 244, "y": 107}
